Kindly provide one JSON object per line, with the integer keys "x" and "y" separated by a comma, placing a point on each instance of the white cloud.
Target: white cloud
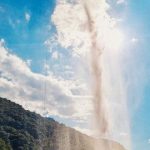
{"x": 134, "y": 40}
{"x": 2, "y": 42}
{"x": 73, "y": 28}
{"x": 36, "y": 92}
{"x": 27, "y": 16}
{"x": 29, "y": 61}
{"x": 121, "y": 1}
{"x": 148, "y": 141}
{"x": 124, "y": 134}
{"x": 55, "y": 55}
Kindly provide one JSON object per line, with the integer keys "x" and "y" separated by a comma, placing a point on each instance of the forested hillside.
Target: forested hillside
{"x": 21, "y": 129}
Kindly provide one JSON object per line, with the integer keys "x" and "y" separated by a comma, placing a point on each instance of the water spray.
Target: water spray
{"x": 100, "y": 113}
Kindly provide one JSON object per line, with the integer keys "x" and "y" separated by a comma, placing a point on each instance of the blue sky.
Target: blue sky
{"x": 28, "y": 31}
{"x": 137, "y": 23}
{"x": 24, "y": 37}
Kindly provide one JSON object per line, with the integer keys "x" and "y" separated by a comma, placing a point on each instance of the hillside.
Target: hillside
{"x": 21, "y": 129}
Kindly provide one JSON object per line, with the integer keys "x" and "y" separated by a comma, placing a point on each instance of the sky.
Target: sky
{"x": 45, "y": 62}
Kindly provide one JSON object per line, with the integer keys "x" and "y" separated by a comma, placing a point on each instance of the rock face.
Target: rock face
{"x": 21, "y": 129}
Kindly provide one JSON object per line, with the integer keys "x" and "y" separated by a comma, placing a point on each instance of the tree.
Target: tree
{"x": 4, "y": 146}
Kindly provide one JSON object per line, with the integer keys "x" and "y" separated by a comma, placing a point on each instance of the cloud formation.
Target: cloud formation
{"x": 27, "y": 17}
{"x": 47, "y": 95}
{"x": 121, "y": 1}
{"x": 134, "y": 40}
